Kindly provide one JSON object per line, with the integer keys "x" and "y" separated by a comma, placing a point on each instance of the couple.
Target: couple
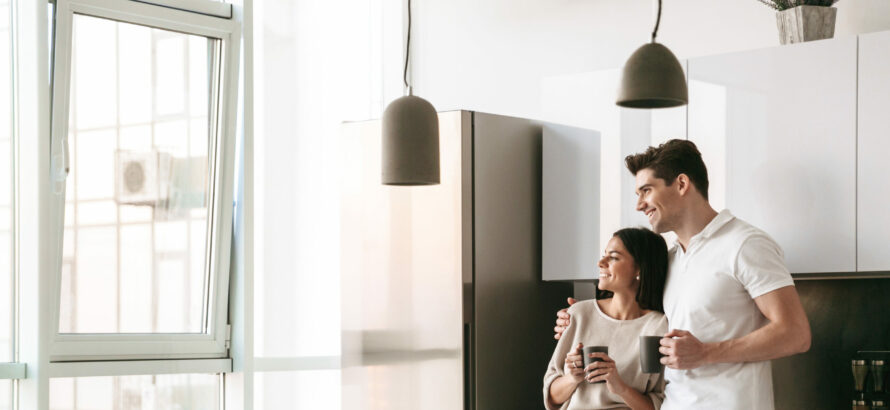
{"x": 721, "y": 297}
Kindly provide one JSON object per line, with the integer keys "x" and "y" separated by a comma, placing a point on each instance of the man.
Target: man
{"x": 729, "y": 299}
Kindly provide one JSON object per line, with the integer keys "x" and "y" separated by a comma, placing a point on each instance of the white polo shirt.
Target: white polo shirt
{"x": 710, "y": 292}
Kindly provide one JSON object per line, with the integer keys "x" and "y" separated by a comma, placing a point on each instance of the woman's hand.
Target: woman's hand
{"x": 607, "y": 372}
{"x": 574, "y": 365}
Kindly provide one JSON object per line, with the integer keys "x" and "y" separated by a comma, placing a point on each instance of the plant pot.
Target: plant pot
{"x": 806, "y": 23}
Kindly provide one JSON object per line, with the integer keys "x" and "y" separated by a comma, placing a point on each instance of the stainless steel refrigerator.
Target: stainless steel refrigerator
{"x": 443, "y": 306}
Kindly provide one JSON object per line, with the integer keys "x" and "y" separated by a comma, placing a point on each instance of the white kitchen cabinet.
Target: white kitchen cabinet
{"x": 587, "y": 100}
{"x": 873, "y": 183}
{"x": 777, "y": 129}
{"x": 570, "y": 203}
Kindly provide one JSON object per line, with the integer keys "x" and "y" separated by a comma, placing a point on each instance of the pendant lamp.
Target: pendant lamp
{"x": 653, "y": 77}
{"x": 410, "y": 136}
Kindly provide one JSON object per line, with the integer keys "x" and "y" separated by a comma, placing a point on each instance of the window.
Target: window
{"x": 172, "y": 391}
{"x": 6, "y": 394}
{"x": 7, "y": 283}
{"x": 143, "y": 157}
{"x": 7, "y": 226}
{"x": 136, "y": 216}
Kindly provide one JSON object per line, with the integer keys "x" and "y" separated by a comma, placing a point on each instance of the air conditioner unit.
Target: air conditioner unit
{"x": 142, "y": 177}
{"x": 188, "y": 180}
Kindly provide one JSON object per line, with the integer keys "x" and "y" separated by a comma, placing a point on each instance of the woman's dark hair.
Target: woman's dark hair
{"x": 649, "y": 252}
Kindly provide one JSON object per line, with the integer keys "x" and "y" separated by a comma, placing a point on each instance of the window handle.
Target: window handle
{"x": 66, "y": 165}
{"x": 61, "y": 166}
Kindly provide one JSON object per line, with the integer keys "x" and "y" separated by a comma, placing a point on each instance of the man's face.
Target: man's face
{"x": 658, "y": 201}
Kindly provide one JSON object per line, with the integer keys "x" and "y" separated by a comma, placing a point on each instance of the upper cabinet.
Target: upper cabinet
{"x": 587, "y": 100}
{"x": 570, "y": 203}
{"x": 874, "y": 144}
{"x": 777, "y": 129}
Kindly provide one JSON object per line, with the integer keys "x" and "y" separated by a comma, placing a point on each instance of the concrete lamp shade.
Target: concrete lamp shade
{"x": 653, "y": 78}
{"x": 410, "y": 142}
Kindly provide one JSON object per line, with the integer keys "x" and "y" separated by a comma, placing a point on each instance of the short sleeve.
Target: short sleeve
{"x": 760, "y": 266}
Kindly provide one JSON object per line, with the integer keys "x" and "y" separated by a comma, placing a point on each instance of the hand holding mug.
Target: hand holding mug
{"x": 574, "y": 364}
{"x": 604, "y": 370}
{"x": 682, "y": 350}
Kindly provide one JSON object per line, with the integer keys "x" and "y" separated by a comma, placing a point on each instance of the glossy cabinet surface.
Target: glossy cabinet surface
{"x": 587, "y": 100}
{"x": 570, "y": 201}
{"x": 873, "y": 183}
{"x": 777, "y": 130}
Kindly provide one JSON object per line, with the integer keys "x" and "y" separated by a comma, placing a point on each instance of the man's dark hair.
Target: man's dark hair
{"x": 649, "y": 252}
{"x": 670, "y": 159}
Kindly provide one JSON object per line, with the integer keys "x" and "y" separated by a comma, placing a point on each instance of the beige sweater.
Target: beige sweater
{"x": 591, "y": 327}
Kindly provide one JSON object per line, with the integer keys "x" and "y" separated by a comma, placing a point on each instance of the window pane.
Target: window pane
{"x": 175, "y": 391}
{"x": 6, "y": 200}
{"x": 95, "y": 76}
{"x": 6, "y": 394}
{"x": 137, "y": 195}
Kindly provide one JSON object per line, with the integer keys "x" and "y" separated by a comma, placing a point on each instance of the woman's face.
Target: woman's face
{"x": 618, "y": 271}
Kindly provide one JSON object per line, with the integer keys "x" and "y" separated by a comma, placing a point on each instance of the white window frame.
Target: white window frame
{"x": 12, "y": 371}
{"x": 213, "y": 343}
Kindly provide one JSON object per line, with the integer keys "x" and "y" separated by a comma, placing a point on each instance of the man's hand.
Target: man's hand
{"x": 682, "y": 350}
{"x": 562, "y": 320}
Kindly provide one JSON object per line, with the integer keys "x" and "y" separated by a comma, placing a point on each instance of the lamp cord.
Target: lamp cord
{"x": 407, "y": 51}
{"x": 654, "y": 31}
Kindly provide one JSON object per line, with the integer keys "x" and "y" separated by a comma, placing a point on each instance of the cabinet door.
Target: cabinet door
{"x": 587, "y": 100}
{"x": 570, "y": 203}
{"x": 874, "y": 143}
{"x": 777, "y": 129}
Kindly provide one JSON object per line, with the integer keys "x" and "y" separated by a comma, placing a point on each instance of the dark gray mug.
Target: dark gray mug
{"x": 650, "y": 357}
{"x": 593, "y": 349}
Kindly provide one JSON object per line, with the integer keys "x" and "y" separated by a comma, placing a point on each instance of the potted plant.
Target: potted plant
{"x": 803, "y": 20}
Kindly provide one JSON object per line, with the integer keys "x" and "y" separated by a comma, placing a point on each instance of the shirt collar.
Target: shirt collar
{"x": 722, "y": 218}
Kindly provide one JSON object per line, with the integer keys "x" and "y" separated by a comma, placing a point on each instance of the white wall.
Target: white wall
{"x": 318, "y": 63}
{"x": 493, "y": 55}
{"x": 559, "y": 61}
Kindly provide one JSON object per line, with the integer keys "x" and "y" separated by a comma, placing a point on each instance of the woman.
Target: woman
{"x": 628, "y": 305}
